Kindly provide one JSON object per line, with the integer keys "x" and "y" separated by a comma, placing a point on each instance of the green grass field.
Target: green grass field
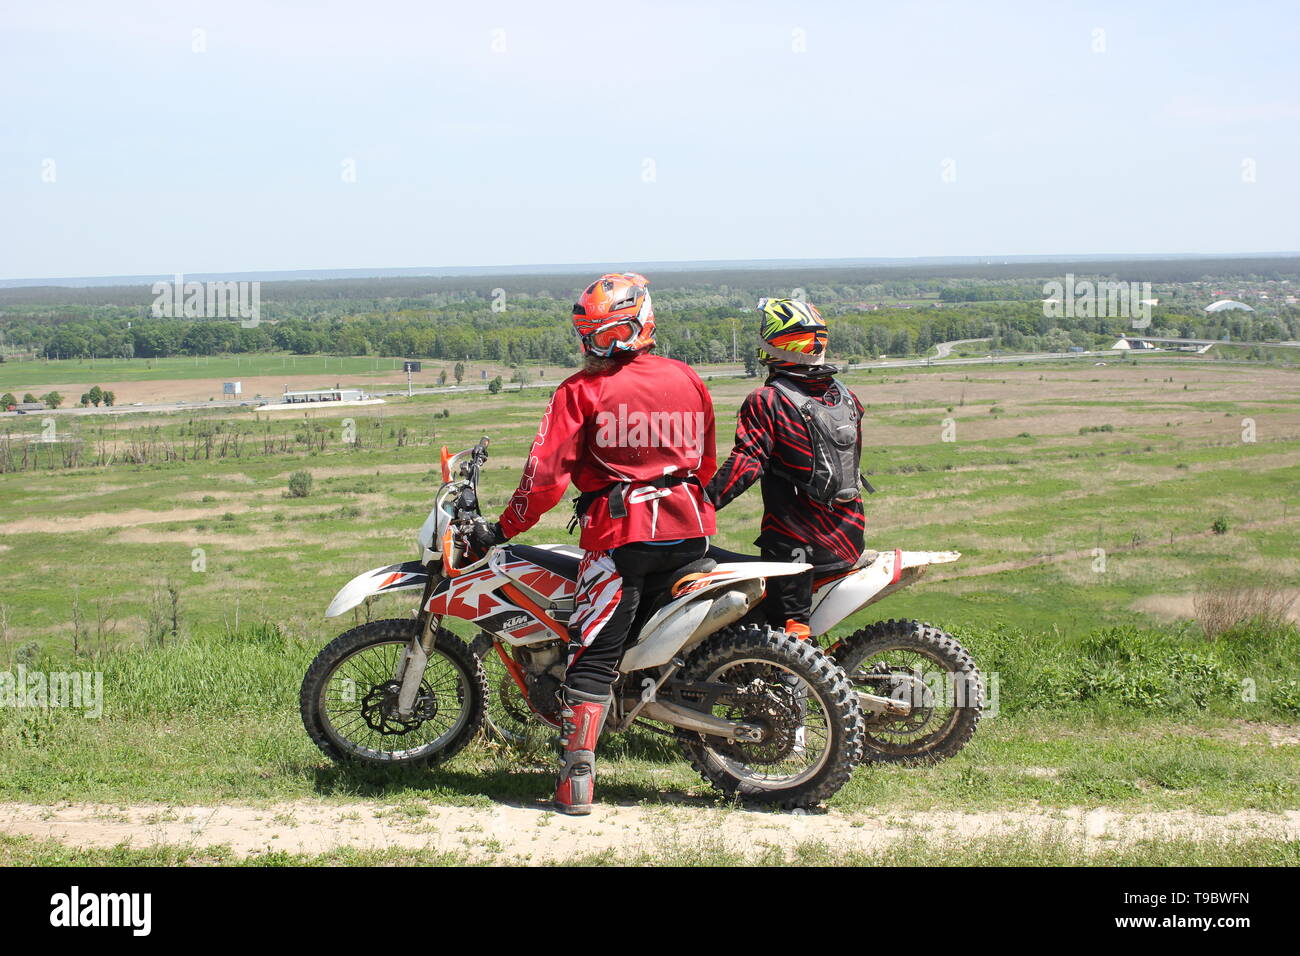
{"x": 34, "y": 374}
{"x": 1083, "y": 500}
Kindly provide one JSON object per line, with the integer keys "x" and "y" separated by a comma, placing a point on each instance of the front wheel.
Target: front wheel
{"x": 349, "y": 697}
{"x": 926, "y": 667}
{"x": 808, "y": 713}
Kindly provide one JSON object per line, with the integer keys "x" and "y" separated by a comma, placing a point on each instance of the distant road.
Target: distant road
{"x": 931, "y": 361}
{"x": 944, "y": 348}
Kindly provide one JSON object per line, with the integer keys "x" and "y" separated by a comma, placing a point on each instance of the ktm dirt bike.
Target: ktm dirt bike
{"x": 920, "y": 690}
{"x": 761, "y": 715}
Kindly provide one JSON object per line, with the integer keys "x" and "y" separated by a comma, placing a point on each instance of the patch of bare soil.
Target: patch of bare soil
{"x": 1248, "y": 732}
{"x": 1021, "y": 564}
{"x": 535, "y": 835}
{"x": 127, "y": 517}
{"x": 1182, "y": 607}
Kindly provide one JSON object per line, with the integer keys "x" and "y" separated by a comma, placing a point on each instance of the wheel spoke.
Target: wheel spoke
{"x": 360, "y": 695}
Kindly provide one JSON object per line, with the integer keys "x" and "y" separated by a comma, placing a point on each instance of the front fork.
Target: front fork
{"x": 410, "y": 668}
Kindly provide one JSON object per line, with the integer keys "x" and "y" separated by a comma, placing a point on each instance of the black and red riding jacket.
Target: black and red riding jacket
{"x": 769, "y": 430}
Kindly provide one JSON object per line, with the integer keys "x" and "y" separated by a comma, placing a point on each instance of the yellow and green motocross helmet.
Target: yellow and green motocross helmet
{"x": 791, "y": 332}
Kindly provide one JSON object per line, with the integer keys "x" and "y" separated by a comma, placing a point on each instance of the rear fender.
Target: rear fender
{"x": 892, "y": 570}
{"x": 395, "y": 577}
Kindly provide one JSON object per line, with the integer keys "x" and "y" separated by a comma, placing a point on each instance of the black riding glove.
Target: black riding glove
{"x": 484, "y": 535}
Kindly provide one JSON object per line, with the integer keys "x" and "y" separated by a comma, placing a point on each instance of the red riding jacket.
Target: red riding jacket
{"x": 645, "y": 424}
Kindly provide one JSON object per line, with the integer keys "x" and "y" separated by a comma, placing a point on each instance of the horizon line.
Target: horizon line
{"x": 702, "y": 265}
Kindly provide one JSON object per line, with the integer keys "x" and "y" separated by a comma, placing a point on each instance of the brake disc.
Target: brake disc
{"x": 379, "y": 709}
{"x": 906, "y": 687}
{"x": 779, "y": 719}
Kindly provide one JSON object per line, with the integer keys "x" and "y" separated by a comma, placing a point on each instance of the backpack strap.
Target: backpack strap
{"x": 787, "y": 390}
{"x": 799, "y": 398}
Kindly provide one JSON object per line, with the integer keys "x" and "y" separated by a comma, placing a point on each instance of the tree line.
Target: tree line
{"x": 717, "y": 323}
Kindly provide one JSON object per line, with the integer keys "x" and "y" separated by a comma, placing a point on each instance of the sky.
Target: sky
{"x": 153, "y": 138}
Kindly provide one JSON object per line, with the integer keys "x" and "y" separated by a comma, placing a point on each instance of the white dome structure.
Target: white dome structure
{"x": 1224, "y": 305}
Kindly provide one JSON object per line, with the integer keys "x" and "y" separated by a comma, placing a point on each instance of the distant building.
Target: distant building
{"x": 1225, "y": 305}
{"x": 1137, "y": 345}
{"x": 324, "y": 395}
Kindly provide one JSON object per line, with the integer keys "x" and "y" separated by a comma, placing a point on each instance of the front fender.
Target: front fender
{"x": 395, "y": 577}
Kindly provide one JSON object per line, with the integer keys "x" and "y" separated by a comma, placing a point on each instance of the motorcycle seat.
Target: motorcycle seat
{"x": 684, "y": 575}
{"x": 723, "y": 556}
{"x": 659, "y": 589}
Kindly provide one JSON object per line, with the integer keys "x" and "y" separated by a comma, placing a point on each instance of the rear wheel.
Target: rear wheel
{"x": 349, "y": 697}
{"x": 808, "y": 714}
{"x": 918, "y": 663}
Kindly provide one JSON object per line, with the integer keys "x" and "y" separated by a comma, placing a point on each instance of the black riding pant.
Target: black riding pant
{"x": 610, "y": 590}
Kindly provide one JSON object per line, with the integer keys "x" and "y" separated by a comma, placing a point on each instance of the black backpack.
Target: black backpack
{"x": 833, "y": 434}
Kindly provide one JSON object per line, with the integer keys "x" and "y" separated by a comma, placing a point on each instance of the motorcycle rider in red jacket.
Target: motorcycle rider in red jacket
{"x": 634, "y": 433}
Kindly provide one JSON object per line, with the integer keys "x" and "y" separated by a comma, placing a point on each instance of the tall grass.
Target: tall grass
{"x": 1252, "y": 669}
{"x": 1222, "y": 609}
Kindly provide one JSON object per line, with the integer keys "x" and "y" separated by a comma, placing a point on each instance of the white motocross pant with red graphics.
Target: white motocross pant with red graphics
{"x": 611, "y": 586}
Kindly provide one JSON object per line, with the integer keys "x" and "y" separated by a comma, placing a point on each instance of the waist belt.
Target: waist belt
{"x": 617, "y": 491}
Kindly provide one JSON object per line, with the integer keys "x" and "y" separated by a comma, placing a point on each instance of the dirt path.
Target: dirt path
{"x": 533, "y": 835}
{"x": 1021, "y": 564}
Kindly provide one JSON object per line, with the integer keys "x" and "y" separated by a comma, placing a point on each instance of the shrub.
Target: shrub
{"x": 1224, "y": 609}
{"x": 1220, "y": 525}
{"x": 300, "y": 484}
{"x": 1286, "y": 697}
{"x": 1123, "y": 667}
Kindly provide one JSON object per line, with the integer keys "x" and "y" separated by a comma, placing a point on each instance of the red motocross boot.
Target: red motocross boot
{"x": 583, "y": 719}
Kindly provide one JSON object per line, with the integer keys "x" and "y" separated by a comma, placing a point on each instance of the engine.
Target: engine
{"x": 543, "y": 667}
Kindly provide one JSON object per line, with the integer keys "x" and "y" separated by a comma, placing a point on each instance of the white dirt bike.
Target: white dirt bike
{"x": 920, "y": 690}
{"x": 761, "y": 715}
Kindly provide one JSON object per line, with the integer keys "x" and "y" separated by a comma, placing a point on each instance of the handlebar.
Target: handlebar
{"x": 467, "y": 504}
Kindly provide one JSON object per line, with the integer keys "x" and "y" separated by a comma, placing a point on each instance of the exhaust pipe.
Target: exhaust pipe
{"x": 727, "y": 608}
{"x": 688, "y": 719}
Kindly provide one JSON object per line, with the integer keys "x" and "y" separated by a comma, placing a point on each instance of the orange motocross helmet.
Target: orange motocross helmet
{"x": 614, "y": 314}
